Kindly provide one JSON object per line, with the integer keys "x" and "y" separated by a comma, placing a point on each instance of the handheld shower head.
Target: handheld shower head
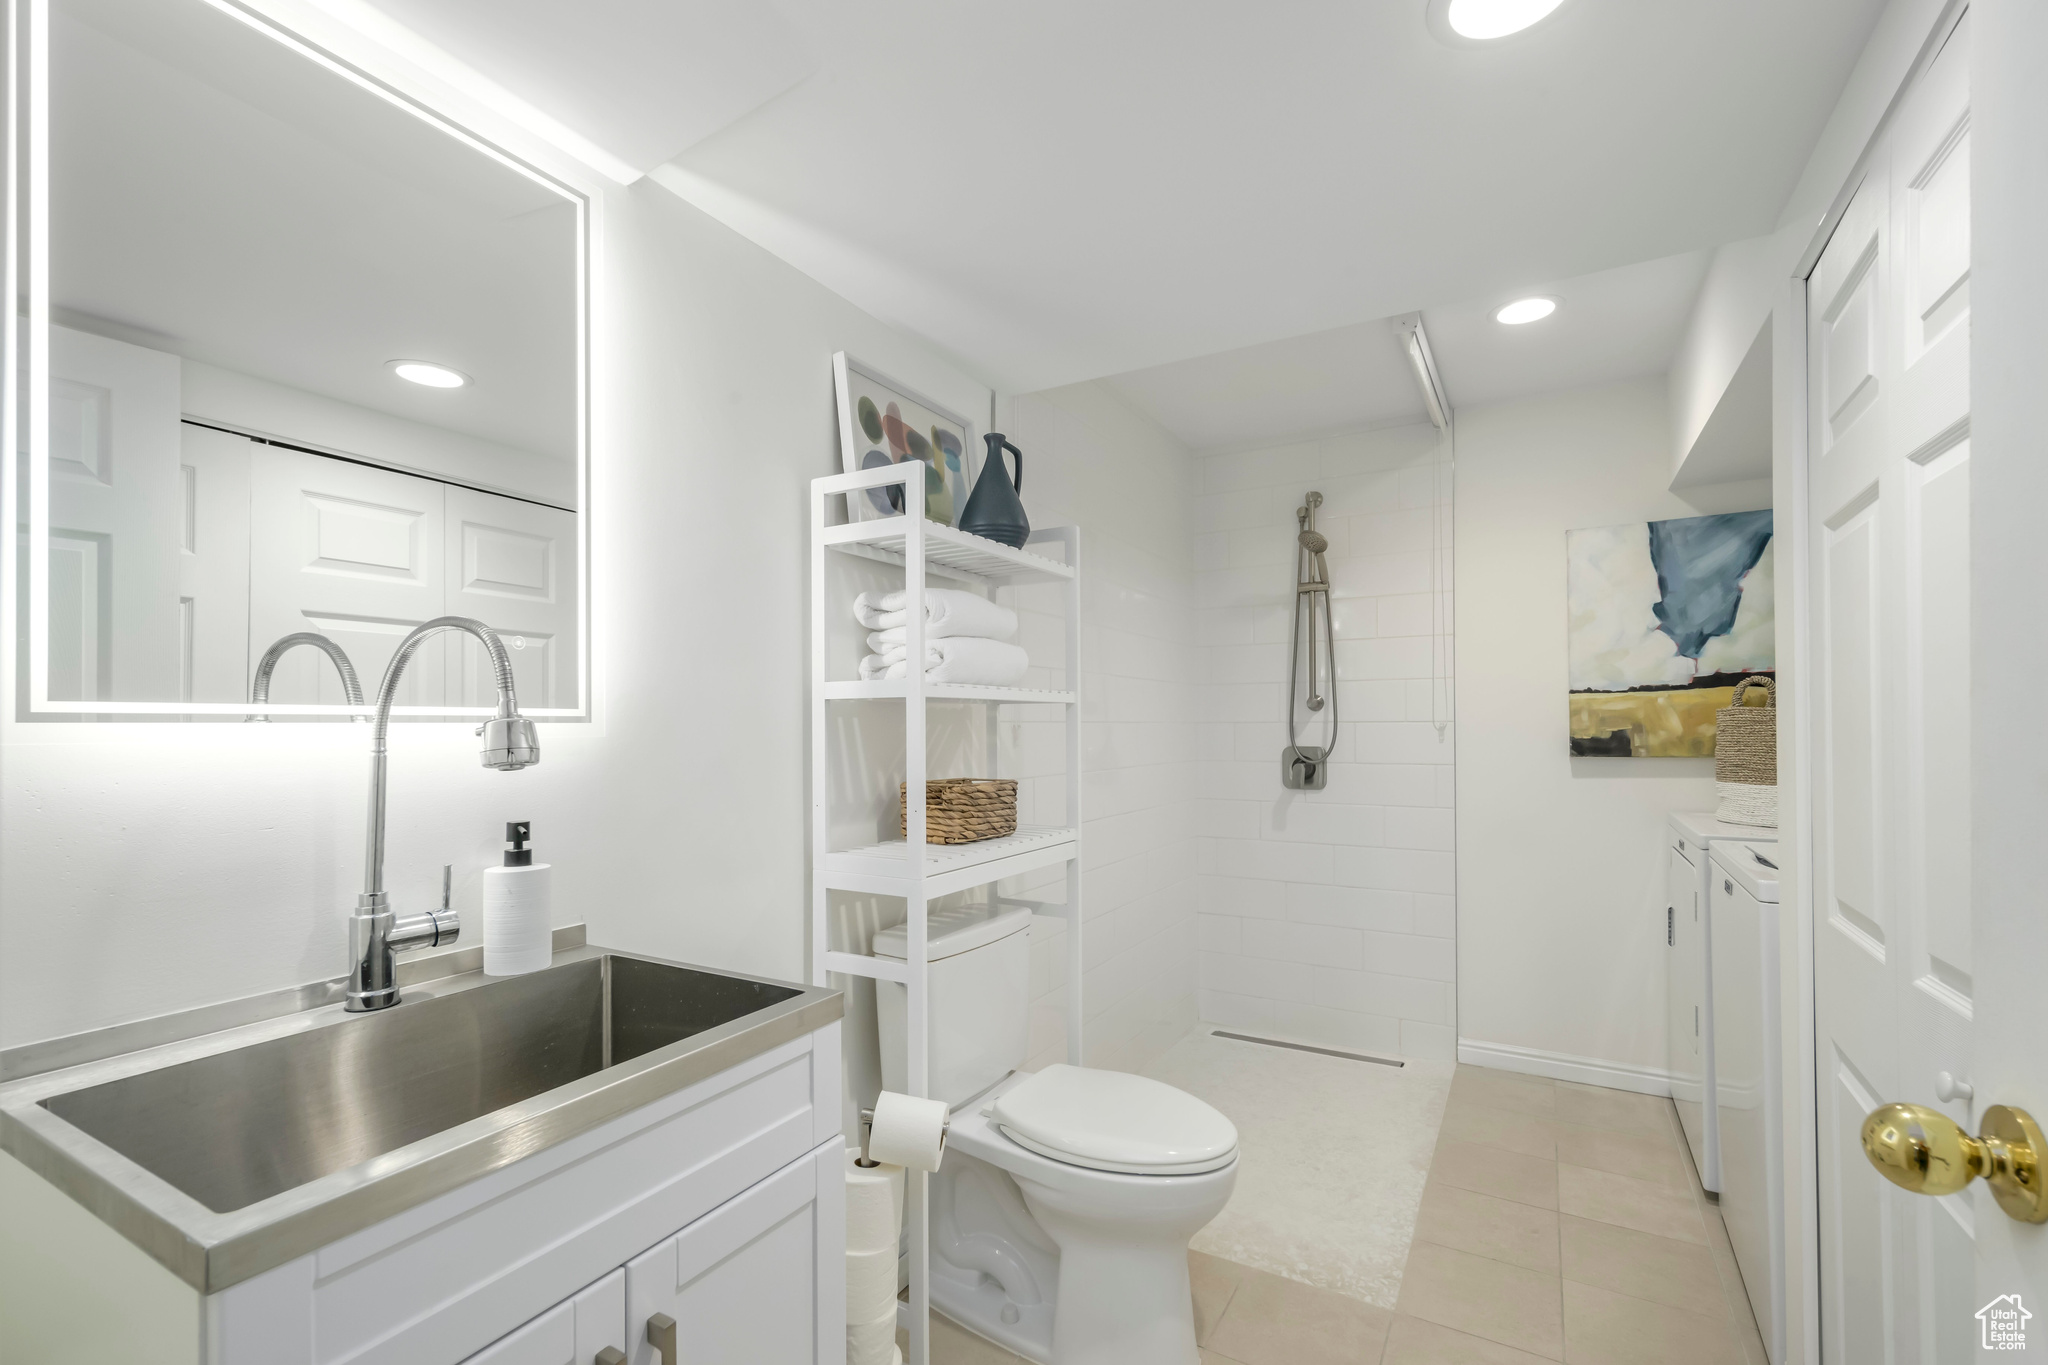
{"x": 1315, "y": 542}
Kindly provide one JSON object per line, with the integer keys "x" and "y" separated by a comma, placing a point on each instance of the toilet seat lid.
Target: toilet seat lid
{"x": 1114, "y": 1121}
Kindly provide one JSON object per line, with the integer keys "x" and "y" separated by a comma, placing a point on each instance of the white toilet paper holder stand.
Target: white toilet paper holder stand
{"x": 867, "y": 1131}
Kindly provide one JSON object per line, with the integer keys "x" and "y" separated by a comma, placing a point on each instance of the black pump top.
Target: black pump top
{"x": 517, "y": 854}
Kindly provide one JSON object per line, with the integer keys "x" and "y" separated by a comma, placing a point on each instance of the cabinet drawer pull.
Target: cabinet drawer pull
{"x": 610, "y": 1355}
{"x": 661, "y": 1335}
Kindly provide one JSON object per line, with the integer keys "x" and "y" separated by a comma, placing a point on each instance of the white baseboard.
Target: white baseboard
{"x": 1562, "y": 1066}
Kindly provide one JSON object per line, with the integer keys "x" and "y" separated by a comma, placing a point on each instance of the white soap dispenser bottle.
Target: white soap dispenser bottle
{"x": 518, "y": 925}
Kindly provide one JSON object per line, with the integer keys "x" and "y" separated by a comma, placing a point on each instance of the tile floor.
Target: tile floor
{"x": 1561, "y": 1222}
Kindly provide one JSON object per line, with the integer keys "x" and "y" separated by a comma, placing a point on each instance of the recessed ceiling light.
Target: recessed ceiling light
{"x": 1481, "y": 20}
{"x": 1526, "y": 310}
{"x": 427, "y": 373}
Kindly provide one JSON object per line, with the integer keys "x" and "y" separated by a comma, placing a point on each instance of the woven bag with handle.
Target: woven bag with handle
{"x": 1746, "y": 757}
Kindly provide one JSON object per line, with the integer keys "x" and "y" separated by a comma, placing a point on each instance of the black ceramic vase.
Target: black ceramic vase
{"x": 993, "y": 509}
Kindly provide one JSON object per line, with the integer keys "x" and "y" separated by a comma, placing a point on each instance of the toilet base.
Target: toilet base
{"x": 1124, "y": 1296}
{"x": 1088, "y": 1267}
{"x": 994, "y": 1271}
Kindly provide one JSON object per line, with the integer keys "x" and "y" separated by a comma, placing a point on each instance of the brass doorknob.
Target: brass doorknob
{"x": 1927, "y": 1152}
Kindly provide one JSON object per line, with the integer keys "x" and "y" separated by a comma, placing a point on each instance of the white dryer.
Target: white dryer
{"x": 1689, "y": 995}
{"x": 1747, "y": 1075}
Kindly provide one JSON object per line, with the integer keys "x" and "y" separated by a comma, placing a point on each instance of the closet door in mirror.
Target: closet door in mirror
{"x": 512, "y": 565}
{"x": 355, "y": 554}
{"x": 115, "y": 622}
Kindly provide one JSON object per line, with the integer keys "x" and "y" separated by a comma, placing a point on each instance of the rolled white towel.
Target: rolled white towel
{"x": 958, "y": 659}
{"x": 947, "y": 612}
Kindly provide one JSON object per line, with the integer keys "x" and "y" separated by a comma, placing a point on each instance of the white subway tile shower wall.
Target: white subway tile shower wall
{"x": 1328, "y": 916}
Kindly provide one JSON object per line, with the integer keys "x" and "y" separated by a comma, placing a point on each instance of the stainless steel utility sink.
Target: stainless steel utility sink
{"x": 243, "y": 1125}
{"x": 224, "y": 1147}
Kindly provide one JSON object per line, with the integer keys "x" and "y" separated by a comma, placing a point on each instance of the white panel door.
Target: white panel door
{"x": 570, "y": 1333}
{"x": 351, "y": 552}
{"x": 1888, "y": 535}
{"x": 513, "y": 566}
{"x": 760, "y": 1280}
{"x": 213, "y": 564}
{"x": 116, "y": 627}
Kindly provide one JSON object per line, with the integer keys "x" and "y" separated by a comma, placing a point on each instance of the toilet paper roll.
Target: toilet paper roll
{"x": 908, "y": 1132}
{"x": 870, "y": 1283}
{"x": 873, "y": 1343}
{"x": 518, "y": 923}
{"x": 874, "y": 1206}
{"x": 874, "y": 1223}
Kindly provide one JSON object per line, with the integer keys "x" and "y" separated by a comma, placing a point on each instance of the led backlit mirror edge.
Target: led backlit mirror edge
{"x": 27, "y": 175}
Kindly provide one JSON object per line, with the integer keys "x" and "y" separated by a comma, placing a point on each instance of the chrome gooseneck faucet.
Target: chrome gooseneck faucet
{"x": 375, "y": 931}
{"x": 259, "y": 689}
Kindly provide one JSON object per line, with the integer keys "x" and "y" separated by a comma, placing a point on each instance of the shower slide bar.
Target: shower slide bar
{"x": 1305, "y": 767}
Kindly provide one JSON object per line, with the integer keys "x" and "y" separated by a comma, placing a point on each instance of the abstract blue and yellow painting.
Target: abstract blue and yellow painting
{"x": 1666, "y": 618}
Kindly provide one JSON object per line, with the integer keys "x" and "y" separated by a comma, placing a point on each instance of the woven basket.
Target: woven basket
{"x": 1746, "y": 757}
{"x": 962, "y": 810}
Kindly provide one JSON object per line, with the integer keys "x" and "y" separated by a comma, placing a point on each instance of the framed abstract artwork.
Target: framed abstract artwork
{"x": 1666, "y": 617}
{"x": 882, "y": 422}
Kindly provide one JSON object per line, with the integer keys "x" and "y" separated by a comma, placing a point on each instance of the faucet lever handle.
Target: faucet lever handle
{"x": 447, "y": 884}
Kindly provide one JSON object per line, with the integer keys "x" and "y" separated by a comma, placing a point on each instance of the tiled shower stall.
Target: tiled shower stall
{"x": 1328, "y": 917}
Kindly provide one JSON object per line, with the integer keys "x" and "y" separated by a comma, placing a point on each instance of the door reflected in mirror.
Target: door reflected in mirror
{"x": 314, "y": 365}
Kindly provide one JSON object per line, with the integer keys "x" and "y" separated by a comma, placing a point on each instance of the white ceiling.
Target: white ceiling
{"x": 1065, "y": 190}
{"x": 216, "y": 195}
{"x": 642, "y": 80}
{"x": 1068, "y": 189}
{"x": 1616, "y": 324}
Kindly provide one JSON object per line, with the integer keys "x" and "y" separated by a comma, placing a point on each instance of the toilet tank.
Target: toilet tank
{"x": 980, "y": 975}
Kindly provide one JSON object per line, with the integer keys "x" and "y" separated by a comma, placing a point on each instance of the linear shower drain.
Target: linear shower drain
{"x": 1304, "y": 1047}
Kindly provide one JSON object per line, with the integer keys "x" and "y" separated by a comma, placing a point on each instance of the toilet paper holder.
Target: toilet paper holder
{"x": 867, "y": 1131}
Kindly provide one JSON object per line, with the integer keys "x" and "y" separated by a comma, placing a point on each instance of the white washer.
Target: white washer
{"x": 1746, "y": 1052}
{"x": 1689, "y": 994}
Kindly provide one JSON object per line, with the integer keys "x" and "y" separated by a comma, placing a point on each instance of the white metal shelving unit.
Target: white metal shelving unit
{"x": 910, "y": 868}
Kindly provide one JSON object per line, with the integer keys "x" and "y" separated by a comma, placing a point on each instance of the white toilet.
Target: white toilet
{"x": 1062, "y": 1212}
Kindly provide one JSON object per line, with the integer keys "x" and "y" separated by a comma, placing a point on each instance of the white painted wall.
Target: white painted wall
{"x": 1093, "y": 460}
{"x": 1327, "y": 916}
{"x": 145, "y": 868}
{"x": 149, "y": 867}
{"x": 1560, "y": 859}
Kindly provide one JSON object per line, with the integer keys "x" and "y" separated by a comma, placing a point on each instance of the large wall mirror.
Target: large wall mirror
{"x": 297, "y": 359}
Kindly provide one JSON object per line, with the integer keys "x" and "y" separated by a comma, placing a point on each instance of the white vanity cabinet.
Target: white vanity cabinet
{"x": 757, "y": 1281}
{"x": 720, "y": 1204}
{"x": 570, "y": 1333}
{"x": 738, "y": 1180}
{"x": 761, "y": 1279}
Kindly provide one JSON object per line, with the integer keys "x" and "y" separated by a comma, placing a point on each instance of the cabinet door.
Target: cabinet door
{"x": 758, "y": 1281}
{"x": 570, "y": 1333}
